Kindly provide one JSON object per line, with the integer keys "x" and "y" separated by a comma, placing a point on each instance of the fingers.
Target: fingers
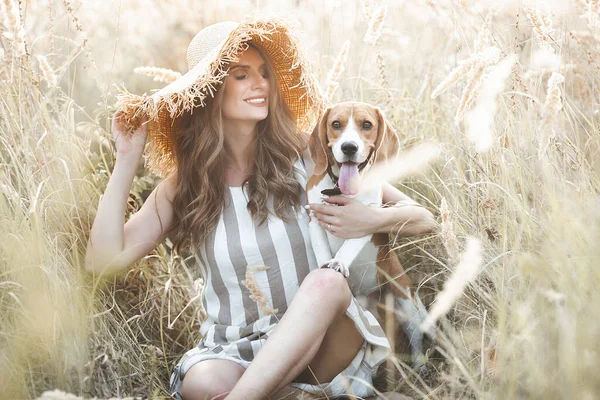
{"x": 322, "y": 209}
{"x": 335, "y": 230}
{"x": 328, "y": 219}
{"x": 144, "y": 120}
{"x": 340, "y": 200}
{"x": 115, "y": 118}
{"x": 117, "y": 121}
{"x": 330, "y": 227}
{"x": 326, "y": 208}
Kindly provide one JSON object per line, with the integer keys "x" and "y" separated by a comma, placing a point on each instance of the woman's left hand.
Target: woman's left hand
{"x": 351, "y": 219}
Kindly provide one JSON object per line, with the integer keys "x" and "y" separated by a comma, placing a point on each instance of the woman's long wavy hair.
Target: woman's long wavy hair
{"x": 201, "y": 160}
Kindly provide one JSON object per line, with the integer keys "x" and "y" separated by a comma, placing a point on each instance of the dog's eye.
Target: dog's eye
{"x": 336, "y": 125}
{"x": 367, "y": 125}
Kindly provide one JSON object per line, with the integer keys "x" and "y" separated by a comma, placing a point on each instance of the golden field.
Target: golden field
{"x": 507, "y": 89}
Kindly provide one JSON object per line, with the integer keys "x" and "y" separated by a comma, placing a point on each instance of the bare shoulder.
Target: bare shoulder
{"x": 168, "y": 187}
{"x": 160, "y": 201}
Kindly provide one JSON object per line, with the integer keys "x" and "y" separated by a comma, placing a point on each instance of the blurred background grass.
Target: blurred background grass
{"x": 528, "y": 327}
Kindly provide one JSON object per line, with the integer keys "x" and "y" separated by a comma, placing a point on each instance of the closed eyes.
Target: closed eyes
{"x": 264, "y": 74}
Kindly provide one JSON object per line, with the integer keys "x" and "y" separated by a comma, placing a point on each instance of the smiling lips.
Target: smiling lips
{"x": 259, "y": 101}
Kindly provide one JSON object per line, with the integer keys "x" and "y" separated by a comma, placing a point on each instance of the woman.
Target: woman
{"x": 234, "y": 168}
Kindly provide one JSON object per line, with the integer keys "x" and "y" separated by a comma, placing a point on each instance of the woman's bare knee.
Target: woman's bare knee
{"x": 328, "y": 285}
{"x": 210, "y": 379}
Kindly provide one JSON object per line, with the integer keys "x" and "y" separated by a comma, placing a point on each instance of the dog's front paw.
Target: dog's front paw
{"x": 337, "y": 266}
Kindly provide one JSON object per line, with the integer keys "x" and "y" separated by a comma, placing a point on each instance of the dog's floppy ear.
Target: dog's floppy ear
{"x": 317, "y": 144}
{"x": 387, "y": 144}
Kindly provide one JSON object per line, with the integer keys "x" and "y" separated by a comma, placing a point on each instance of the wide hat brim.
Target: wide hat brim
{"x": 275, "y": 37}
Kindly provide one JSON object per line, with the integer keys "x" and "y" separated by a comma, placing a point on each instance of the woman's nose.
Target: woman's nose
{"x": 261, "y": 82}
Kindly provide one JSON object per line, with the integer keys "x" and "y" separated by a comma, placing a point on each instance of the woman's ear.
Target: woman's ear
{"x": 317, "y": 144}
{"x": 387, "y": 144}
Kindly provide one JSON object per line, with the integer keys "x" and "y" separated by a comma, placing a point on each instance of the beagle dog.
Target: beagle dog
{"x": 349, "y": 138}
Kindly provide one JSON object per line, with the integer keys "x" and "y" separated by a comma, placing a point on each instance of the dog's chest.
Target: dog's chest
{"x": 363, "y": 271}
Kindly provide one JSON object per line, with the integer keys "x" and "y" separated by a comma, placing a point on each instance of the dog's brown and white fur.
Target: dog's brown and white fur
{"x": 358, "y": 133}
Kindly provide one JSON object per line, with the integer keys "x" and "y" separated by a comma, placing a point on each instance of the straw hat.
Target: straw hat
{"x": 208, "y": 55}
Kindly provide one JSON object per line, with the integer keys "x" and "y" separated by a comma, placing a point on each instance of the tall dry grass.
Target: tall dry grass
{"x": 527, "y": 325}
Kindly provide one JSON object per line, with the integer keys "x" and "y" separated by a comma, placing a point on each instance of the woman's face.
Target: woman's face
{"x": 246, "y": 93}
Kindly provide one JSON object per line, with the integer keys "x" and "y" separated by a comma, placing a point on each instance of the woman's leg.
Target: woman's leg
{"x": 313, "y": 324}
{"x": 210, "y": 379}
{"x": 338, "y": 348}
{"x": 214, "y": 379}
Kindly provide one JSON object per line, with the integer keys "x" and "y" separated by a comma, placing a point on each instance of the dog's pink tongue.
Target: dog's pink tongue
{"x": 349, "y": 180}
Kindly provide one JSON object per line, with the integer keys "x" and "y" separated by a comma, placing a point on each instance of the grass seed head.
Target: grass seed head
{"x": 165, "y": 75}
{"x": 375, "y": 25}
{"x": 466, "y": 271}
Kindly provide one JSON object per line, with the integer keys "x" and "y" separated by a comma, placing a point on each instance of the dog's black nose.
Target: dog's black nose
{"x": 349, "y": 148}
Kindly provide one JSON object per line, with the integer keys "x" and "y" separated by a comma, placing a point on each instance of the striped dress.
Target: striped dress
{"x": 251, "y": 273}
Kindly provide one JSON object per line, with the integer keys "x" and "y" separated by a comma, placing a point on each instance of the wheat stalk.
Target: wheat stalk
{"x": 591, "y": 10}
{"x": 375, "y": 25}
{"x": 473, "y": 68}
{"x": 337, "y": 70}
{"x": 584, "y": 36}
{"x": 261, "y": 299}
{"x": 518, "y": 79}
{"x": 480, "y": 121}
{"x": 483, "y": 37}
{"x": 159, "y": 74}
{"x": 448, "y": 236}
{"x": 462, "y": 70}
{"x": 553, "y": 103}
{"x": 85, "y": 45}
{"x": 367, "y": 8}
{"x": 47, "y": 71}
{"x": 550, "y": 110}
{"x": 50, "y": 27}
{"x": 540, "y": 23}
{"x": 465, "y": 272}
{"x": 12, "y": 20}
{"x": 470, "y": 92}
{"x": 542, "y": 72}
{"x": 488, "y": 57}
{"x": 408, "y": 163}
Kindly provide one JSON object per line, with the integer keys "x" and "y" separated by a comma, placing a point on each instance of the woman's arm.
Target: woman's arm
{"x": 404, "y": 217}
{"x": 113, "y": 244}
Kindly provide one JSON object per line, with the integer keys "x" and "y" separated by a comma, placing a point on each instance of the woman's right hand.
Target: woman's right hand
{"x": 131, "y": 145}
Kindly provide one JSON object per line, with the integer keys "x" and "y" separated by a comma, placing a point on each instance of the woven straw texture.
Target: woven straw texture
{"x": 209, "y": 53}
